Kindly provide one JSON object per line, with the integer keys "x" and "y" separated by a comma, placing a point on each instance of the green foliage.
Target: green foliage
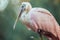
{"x": 9, "y": 14}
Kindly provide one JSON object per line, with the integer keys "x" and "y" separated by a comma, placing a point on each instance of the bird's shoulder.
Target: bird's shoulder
{"x": 39, "y": 10}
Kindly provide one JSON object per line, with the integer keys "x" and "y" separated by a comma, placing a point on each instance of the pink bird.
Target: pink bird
{"x": 39, "y": 20}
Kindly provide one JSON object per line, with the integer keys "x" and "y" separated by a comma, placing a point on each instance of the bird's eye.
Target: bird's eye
{"x": 22, "y": 6}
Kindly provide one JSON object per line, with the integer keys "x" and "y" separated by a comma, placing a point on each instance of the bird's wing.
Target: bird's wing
{"x": 45, "y": 20}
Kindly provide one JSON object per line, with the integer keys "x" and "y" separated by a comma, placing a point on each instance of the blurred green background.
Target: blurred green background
{"x": 9, "y": 10}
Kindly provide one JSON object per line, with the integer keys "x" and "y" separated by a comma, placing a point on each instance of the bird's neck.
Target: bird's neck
{"x": 23, "y": 16}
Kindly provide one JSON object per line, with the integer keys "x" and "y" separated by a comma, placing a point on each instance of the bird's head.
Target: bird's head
{"x": 25, "y": 7}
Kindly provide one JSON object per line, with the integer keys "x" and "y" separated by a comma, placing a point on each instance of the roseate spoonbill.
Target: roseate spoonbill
{"x": 39, "y": 20}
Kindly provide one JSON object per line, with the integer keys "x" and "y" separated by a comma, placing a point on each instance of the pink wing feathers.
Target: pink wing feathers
{"x": 45, "y": 21}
